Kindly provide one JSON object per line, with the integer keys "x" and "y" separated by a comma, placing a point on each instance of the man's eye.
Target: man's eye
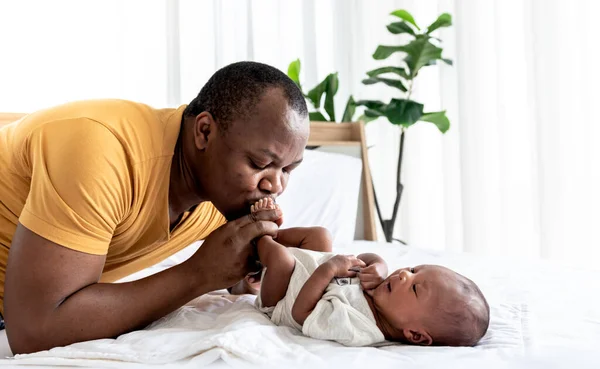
{"x": 256, "y": 166}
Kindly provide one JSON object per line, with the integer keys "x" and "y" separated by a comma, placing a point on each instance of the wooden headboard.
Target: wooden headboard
{"x": 323, "y": 134}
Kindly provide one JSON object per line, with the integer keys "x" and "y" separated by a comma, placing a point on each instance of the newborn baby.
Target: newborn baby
{"x": 353, "y": 301}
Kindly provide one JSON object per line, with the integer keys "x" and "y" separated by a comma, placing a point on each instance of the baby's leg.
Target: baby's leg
{"x": 308, "y": 238}
{"x": 277, "y": 260}
{"x": 279, "y": 264}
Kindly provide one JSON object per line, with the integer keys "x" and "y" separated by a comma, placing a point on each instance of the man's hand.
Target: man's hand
{"x": 340, "y": 265}
{"x": 228, "y": 255}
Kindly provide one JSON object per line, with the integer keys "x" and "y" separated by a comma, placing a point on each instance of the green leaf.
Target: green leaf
{"x": 370, "y": 104}
{"x": 316, "y": 93}
{"x": 444, "y": 20}
{"x": 372, "y": 113}
{"x": 332, "y": 88}
{"x": 388, "y": 81}
{"x": 399, "y": 71}
{"x": 365, "y": 119}
{"x": 447, "y": 61}
{"x": 316, "y": 116}
{"x": 403, "y": 112}
{"x": 400, "y": 27}
{"x": 383, "y": 52}
{"x": 327, "y": 87}
{"x": 294, "y": 71}
{"x": 420, "y": 52}
{"x": 349, "y": 110}
{"x": 438, "y": 118}
{"x": 403, "y": 14}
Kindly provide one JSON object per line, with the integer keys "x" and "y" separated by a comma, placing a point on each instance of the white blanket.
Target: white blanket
{"x": 543, "y": 315}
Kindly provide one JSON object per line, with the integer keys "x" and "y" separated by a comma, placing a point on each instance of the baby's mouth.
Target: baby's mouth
{"x": 389, "y": 286}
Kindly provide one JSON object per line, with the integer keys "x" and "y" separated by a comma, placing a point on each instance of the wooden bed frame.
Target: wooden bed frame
{"x": 323, "y": 134}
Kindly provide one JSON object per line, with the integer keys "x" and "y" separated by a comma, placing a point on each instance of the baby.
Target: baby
{"x": 353, "y": 301}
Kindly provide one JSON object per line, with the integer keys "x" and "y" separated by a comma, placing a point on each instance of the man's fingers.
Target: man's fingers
{"x": 256, "y": 229}
{"x": 270, "y": 215}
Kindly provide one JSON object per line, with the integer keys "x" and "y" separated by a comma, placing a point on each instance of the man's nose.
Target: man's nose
{"x": 272, "y": 185}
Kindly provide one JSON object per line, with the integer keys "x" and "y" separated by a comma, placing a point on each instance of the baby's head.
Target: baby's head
{"x": 431, "y": 305}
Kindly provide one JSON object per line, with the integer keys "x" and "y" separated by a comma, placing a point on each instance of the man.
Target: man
{"x": 93, "y": 191}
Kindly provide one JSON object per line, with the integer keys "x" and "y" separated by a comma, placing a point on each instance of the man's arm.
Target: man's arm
{"x": 53, "y": 298}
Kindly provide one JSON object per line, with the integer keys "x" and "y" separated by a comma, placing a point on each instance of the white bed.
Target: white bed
{"x": 543, "y": 315}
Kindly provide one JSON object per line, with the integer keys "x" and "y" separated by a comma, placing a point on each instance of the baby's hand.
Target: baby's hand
{"x": 372, "y": 276}
{"x": 266, "y": 203}
{"x": 341, "y": 264}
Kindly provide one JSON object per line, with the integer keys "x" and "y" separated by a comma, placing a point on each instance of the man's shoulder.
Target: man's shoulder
{"x": 143, "y": 131}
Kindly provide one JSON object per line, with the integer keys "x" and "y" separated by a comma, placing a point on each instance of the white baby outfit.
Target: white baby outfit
{"x": 342, "y": 314}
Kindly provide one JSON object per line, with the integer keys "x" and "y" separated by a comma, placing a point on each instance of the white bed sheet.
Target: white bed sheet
{"x": 544, "y": 315}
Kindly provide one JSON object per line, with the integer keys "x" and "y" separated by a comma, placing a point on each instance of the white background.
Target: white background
{"x": 518, "y": 173}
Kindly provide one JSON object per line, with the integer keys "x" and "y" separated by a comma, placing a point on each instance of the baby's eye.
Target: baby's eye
{"x": 412, "y": 270}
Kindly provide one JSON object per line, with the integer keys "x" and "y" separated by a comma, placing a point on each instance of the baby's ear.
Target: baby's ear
{"x": 417, "y": 337}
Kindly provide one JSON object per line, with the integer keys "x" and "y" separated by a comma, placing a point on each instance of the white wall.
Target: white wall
{"x": 518, "y": 172}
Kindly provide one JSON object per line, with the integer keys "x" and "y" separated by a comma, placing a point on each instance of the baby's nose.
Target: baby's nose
{"x": 404, "y": 275}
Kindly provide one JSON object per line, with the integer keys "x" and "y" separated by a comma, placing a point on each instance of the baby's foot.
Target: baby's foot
{"x": 264, "y": 204}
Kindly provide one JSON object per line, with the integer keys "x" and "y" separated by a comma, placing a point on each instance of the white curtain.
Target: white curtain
{"x": 517, "y": 174}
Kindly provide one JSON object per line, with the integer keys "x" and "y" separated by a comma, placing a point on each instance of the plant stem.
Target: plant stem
{"x": 381, "y": 220}
{"x": 399, "y": 185}
{"x": 388, "y": 225}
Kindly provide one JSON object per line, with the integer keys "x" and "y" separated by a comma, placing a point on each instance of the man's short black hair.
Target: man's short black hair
{"x": 234, "y": 91}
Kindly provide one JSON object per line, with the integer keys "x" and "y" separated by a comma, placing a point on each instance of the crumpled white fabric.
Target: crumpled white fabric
{"x": 544, "y": 315}
{"x": 342, "y": 315}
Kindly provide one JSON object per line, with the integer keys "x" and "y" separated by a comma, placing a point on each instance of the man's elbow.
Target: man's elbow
{"x": 26, "y": 340}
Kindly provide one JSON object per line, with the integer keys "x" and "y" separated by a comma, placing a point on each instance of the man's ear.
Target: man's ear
{"x": 204, "y": 129}
{"x": 417, "y": 337}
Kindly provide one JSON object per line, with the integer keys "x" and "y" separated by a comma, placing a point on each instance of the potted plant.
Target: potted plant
{"x": 420, "y": 50}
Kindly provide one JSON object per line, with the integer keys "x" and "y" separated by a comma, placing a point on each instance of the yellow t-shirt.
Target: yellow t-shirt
{"x": 93, "y": 176}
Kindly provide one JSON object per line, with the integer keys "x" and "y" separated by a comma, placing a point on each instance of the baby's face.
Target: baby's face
{"x": 409, "y": 296}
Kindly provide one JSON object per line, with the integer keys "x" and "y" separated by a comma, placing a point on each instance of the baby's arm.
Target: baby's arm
{"x": 315, "y": 286}
{"x": 370, "y": 259}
